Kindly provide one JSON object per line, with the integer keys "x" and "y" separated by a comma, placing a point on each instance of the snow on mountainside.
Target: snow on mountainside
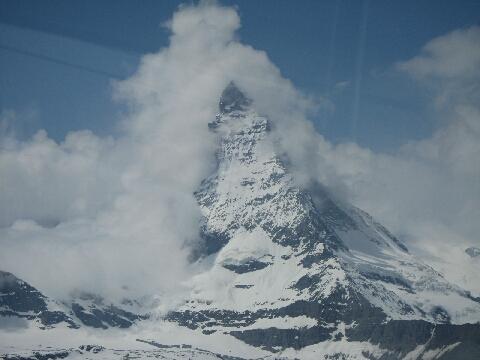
{"x": 281, "y": 243}
{"x": 286, "y": 255}
{"x": 292, "y": 272}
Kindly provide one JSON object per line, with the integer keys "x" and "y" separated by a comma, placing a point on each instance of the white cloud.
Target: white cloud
{"x": 429, "y": 191}
{"x": 453, "y": 56}
{"x": 125, "y": 208}
{"x": 450, "y": 66}
{"x": 50, "y": 182}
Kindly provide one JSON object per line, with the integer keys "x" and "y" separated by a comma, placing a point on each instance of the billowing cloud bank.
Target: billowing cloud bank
{"x": 429, "y": 191}
{"x": 121, "y": 211}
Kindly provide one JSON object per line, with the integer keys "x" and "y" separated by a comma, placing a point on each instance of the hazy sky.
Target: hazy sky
{"x": 56, "y": 56}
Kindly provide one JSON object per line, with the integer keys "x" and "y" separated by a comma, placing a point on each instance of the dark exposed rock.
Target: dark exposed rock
{"x": 91, "y": 348}
{"x": 339, "y": 306}
{"x": 233, "y": 99}
{"x": 39, "y": 356}
{"x": 272, "y": 338}
{"x": 106, "y": 316}
{"x": 398, "y": 336}
{"x": 473, "y": 251}
{"x": 403, "y": 336}
{"x": 248, "y": 266}
{"x": 213, "y": 241}
{"x": 397, "y": 280}
{"x": 243, "y": 286}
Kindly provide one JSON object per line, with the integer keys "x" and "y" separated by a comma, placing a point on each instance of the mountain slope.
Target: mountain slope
{"x": 20, "y": 300}
{"x": 24, "y": 305}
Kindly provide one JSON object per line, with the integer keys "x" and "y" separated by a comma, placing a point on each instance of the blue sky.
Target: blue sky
{"x": 58, "y": 58}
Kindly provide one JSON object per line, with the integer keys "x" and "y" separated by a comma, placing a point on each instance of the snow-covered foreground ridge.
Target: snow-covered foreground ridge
{"x": 292, "y": 272}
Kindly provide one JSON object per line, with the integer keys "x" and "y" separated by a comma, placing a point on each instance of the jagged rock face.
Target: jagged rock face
{"x": 251, "y": 188}
{"x": 293, "y": 266}
{"x": 95, "y": 312}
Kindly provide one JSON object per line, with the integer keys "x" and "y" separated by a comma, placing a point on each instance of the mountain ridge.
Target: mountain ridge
{"x": 291, "y": 271}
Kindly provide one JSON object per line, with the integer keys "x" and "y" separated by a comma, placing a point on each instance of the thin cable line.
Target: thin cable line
{"x": 60, "y": 62}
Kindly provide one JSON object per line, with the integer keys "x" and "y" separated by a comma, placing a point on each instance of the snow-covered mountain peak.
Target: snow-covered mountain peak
{"x": 233, "y": 99}
{"x": 281, "y": 251}
{"x": 252, "y": 188}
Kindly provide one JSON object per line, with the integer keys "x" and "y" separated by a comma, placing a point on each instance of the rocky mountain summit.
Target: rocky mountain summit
{"x": 473, "y": 251}
{"x": 291, "y": 271}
